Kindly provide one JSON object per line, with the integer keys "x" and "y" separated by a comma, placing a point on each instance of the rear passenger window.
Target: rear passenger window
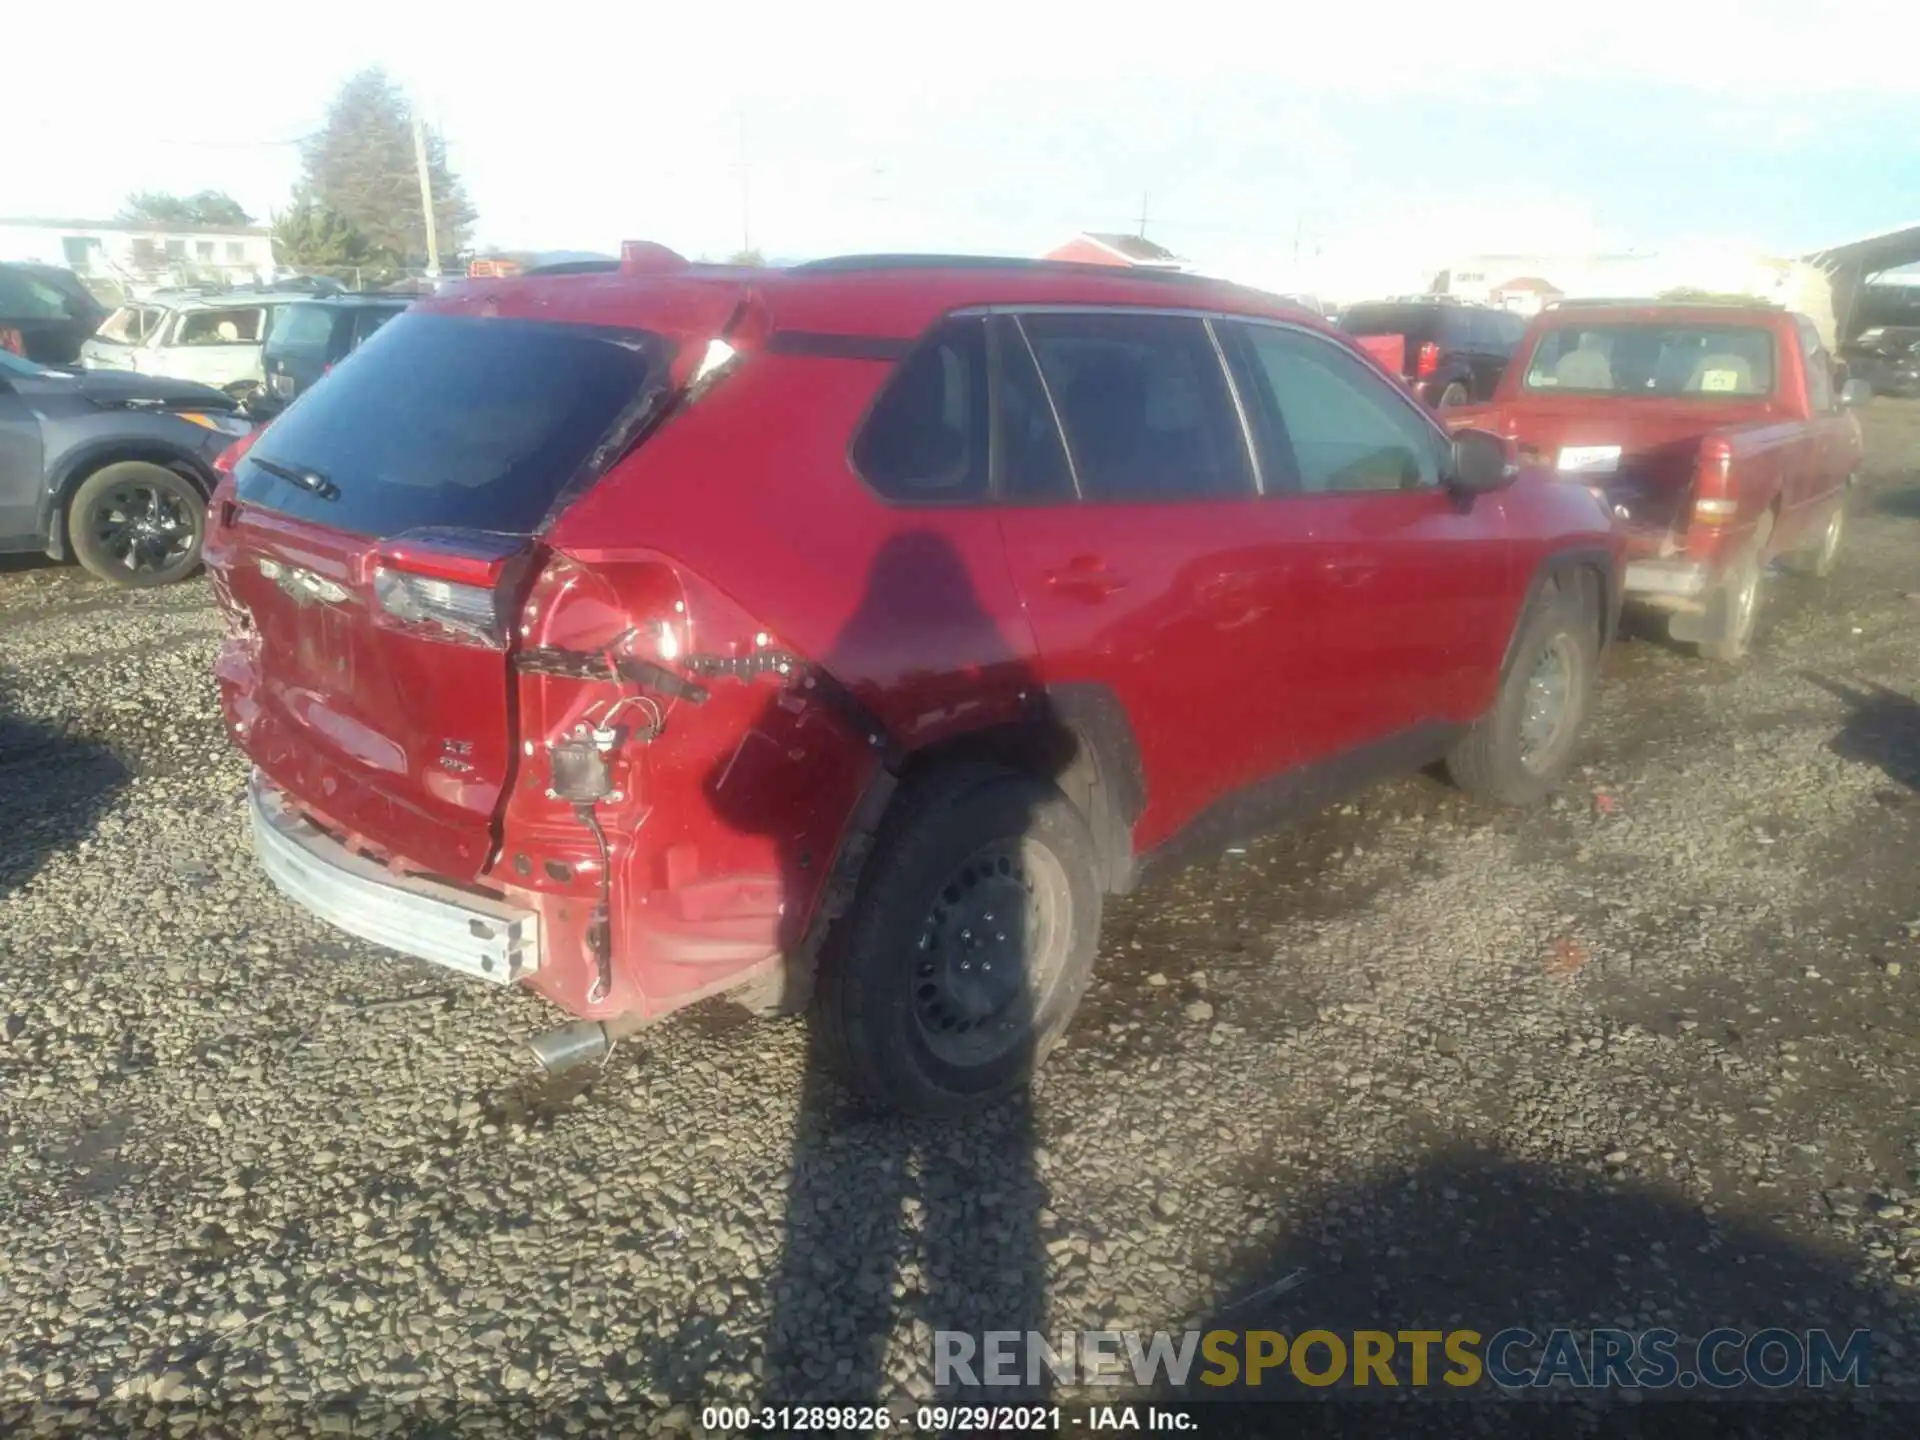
{"x": 1145, "y": 405}
{"x": 1033, "y": 462}
{"x": 1334, "y": 420}
{"x": 926, "y": 440}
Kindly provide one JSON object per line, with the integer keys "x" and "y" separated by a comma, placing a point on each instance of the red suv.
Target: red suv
{"x": 848, "y": 631}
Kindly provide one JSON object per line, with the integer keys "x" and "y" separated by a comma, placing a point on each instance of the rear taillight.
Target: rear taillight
{"x": 453, "y": 585}
{"x": 1428, "y": 360}
{"x": 1713, "y": 500}
{"x": 230, "y": 457}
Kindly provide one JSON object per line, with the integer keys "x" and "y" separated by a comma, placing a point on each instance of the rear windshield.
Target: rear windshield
{"x": 1706, "y": 362}
{"x": 1422, "y": 322}
{"x": 302, "y": 327}
{"x": 454, "y": 420}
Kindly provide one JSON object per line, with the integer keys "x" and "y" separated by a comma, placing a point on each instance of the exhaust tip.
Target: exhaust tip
{"x": 569, "y": 1046}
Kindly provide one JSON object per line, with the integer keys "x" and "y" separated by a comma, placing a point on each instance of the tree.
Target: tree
{"x": 361, "y": 167}
{"x": 312, "y": 236}
{"x": 747, "y": 257}
{"x": 204, "y": 207}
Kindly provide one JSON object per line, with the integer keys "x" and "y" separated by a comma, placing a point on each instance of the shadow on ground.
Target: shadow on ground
{"x": 1882, "y": 728}
{"x": 53, "y": 788}
{"x": 1471, "y": 1240}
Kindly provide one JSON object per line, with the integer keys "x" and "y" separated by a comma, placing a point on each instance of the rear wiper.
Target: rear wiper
{"x": 311, "y": 480}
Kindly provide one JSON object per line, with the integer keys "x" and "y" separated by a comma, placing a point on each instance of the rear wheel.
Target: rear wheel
{"x": 137, "y": 525}
{"x": 1733, "y": 609}
{"x": 1454, "y": 394}
{"x": 1822, "y": 557}
{"x": 969, "y": 946}
{"x": 1521, "y": 749}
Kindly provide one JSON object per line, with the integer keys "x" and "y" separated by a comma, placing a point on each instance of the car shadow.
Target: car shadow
{"x": 1882, "y": 728}
{"x": 54, "y": 786}
{"x": 1469, "y": 1239}
{"x": 1901, "y": 501}
{"x": 895, "y": 1226}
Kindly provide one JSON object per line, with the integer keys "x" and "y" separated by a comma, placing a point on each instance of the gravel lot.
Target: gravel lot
{"x": 1644, "y": 1056}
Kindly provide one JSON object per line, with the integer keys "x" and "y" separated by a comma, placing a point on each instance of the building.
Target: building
{"x": 137, "y": 255}
{"x": 1088, "y": 248}
{"x": 1525, "y": 294}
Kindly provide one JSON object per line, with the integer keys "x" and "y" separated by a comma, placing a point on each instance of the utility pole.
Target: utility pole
{"x": 426, "y": 193}
{"x": 1143, "y": 214}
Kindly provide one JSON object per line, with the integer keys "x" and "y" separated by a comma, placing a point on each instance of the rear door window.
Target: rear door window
{"x": 1145, "y": 405}
{"x": 237, "y": 326}
{"x": 515, "y": 412}
{"x": 302, "y": 328}
{"x": 365, "y": 322}
{"x": 1033, "y": 459}
{"x": 926, "y": 440}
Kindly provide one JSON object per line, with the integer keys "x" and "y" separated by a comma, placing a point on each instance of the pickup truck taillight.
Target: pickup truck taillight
{"x": 1427, "y": 361}
{"x": 1714, "y": 502}
{"x": 446, "y": 584}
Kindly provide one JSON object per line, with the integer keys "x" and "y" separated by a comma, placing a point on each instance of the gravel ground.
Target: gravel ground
{"x": 1643, "y": 1056}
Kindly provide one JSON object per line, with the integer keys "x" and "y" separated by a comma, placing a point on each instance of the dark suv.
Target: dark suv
{"x": 1448, "y": 353}
{"x": 850, "y": 630}
{"x": 310, "y": 337}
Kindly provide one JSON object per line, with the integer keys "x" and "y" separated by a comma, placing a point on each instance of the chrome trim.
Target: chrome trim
{"x": 487, "y": 939}
{"x": 1239, "y": 408}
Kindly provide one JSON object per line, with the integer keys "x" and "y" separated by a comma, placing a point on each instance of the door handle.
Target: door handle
{"x": 1086, "y": 577}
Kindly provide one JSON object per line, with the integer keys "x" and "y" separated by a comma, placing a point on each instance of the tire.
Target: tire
{"x": 1513, "y": 755}
{"x": 137, "y": 525}
{"x": 1822, "y": 557}
{"x": 898, "y": 1011}
{"x": 1454, "y": 394}
{"x": 1733, "y": 610}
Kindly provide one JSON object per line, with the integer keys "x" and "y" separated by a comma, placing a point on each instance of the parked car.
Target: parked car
{"x": 310, "y": 337}
{"x": 1715, "y": 432}
{"x": 1448, "y": 352}
{"x": 1887, "y": 358}
{"x": 850, "y": 629}
{"x": 112, "y": 469}
{"x": 213, "y": 338}
{"x": 45, "y": 313}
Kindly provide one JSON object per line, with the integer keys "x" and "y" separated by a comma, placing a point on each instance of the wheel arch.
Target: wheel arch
{"x": 1590, "y": 571}
{"x": 1079, "y": 740}
{"x": 73, "y": 468}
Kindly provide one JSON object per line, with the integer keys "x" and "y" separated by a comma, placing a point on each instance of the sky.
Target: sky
{"x": 1335, "y": 148}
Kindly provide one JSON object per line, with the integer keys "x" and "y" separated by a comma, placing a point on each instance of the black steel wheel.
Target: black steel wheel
{"x": 968, "y": 947}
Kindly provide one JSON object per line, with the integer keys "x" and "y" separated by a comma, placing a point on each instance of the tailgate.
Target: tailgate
{"x": 379, "y": 536}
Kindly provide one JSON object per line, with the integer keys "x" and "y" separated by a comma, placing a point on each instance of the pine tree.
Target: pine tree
{"x": 360, "y": 166}
{"x": 312, "y": 237}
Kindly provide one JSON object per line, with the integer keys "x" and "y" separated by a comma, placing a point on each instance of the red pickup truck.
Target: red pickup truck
{"x": 1714, "y": 432}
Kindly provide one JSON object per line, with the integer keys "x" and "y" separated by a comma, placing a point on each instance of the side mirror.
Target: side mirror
{"x": 1855, "y": 393}
{"x": 1480, "y": 463}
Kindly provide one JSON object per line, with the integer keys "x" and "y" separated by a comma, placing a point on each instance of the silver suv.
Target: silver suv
{"x": 213, "y": 337}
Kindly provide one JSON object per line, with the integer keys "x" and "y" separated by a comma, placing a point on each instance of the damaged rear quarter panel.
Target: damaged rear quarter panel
{"x": 745, "y": 799}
